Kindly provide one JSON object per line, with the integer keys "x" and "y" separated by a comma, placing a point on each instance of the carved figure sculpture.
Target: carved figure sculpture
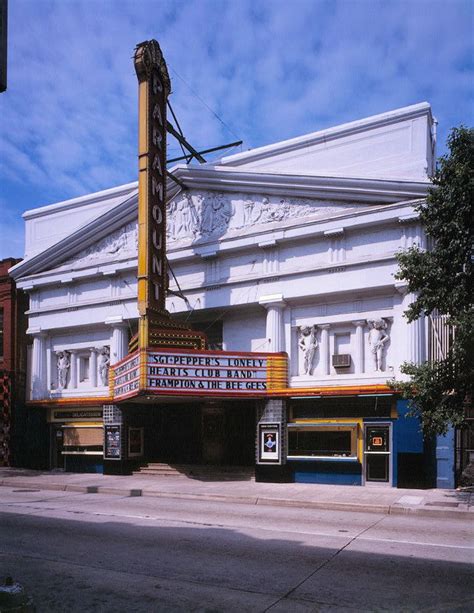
{"x": 248, "y": 211}
{"x": 63, "y": 364}
{"x": 104, "y": 363}
{"x": 216, "y": 214}
{"x": 377, "y": 340}
{"x": 308, "y": 344}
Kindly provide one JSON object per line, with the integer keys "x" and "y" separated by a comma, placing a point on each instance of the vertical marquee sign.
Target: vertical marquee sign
{"x": 154, "y": 88}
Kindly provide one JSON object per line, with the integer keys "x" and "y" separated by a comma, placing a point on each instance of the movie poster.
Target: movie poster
{"x": 269, "y": 444}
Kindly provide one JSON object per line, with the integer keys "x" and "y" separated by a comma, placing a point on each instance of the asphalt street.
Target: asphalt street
{"x": 94, "y": 552}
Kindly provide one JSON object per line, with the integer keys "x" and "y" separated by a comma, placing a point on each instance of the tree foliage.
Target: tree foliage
{"x": 440, "y": 392}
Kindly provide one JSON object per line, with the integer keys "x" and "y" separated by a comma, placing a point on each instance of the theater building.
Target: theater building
{"x": 284, "y": 257}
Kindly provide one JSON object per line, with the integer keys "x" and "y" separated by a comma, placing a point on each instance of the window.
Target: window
{"x": 213, "y": 332}
{"x": 84, "y": 369}
{"x": 330, "y": 441}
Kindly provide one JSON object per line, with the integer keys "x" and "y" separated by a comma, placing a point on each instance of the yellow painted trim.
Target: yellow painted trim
{"x": 357, "y": 421}
{"x": 143, "y": 369}
{"x": 336, "y": 390}
{"x": 69, "y": 401}
{"x": 84, "y": 424}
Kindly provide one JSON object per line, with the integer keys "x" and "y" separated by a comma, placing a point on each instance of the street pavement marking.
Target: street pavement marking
{"x": 420, "y": 543}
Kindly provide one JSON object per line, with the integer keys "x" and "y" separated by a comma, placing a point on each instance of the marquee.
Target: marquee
{"x": 172, "y": 372}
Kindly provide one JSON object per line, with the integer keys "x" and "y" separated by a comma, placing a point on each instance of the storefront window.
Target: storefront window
{"x": 322, "y": 441}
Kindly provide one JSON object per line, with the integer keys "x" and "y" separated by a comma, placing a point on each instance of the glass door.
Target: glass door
{"x": 377, "y": 453}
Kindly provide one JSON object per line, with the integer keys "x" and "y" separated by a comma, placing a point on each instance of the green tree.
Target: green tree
{"x": 440, "y": 392}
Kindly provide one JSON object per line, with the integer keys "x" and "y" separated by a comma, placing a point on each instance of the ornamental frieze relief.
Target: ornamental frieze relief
{"x": 193, "y": 216}
{"x": 122, "y": 242}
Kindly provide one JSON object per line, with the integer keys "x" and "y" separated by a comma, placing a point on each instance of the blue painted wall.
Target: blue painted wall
{"x": 414, "y": 461}
{"x": 407, "y": 431}
{"x": 445, "y": 467}
{"x": 319, "y": 471}
{"x": 83, "y": 464}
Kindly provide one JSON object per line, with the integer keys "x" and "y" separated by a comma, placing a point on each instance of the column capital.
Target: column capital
{"x": 36, "y": 331}
{"x": 324, "y": 326}
{"x": 334, "y": 233}
{"x": 401, "y": 287}
{"x": 272, "y": 300}
{"x": 359, "y": 322}
{"x": 116, "y": 321}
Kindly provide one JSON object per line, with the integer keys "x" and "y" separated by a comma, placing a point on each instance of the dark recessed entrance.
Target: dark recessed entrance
{"x": 221, "y": 435}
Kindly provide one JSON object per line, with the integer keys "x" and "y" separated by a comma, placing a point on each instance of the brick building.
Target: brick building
{"x": 12, "y": 362}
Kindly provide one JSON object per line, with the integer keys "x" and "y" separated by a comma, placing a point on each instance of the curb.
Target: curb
{"x": 393, "y": 509}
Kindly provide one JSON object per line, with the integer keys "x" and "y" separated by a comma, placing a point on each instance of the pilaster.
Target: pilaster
{"x": 415, "y": 330}
{"x": 274, "y": 327}
{"x": 358, "y": 356}
{"x": 119, "y": 345}
{"x": 74, "y": 369}
{"x": 93, "y": 367}
{"x": 324, "y": 348}
{"x": 38, "y": 364}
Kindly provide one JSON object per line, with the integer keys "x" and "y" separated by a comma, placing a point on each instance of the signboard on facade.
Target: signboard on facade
{"x": 75, "y": 414}
{"x": 154, "y": 88}
{"x": 127, "y": 376}
{"x": 171, "y": 372}
{"x": 112, "y": 442}
{"x": 269, "y": 446}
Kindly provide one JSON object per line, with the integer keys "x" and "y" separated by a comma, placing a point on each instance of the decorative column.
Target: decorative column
{"x": 38, "y": 364}
{"x": 274, "y": 327}
{"x": 358, "y": 356}
{"x": 93, "y": 367}
{"x": 324, "y": 348}
{"x": 74, "y": 369}
{"x": 415, "y": 331}
{"x": 119, "y": 343}
{"x": 274, "y": 410}
{"x": 49, "y": 373}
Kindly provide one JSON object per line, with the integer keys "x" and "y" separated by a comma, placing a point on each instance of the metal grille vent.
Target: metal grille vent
{"x": 341, "y": 360}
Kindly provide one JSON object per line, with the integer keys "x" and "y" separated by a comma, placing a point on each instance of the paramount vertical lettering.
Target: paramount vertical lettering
{"x": 154, "y": 88}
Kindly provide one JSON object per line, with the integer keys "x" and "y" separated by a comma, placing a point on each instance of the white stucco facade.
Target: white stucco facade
{"x": 300, "y": 235}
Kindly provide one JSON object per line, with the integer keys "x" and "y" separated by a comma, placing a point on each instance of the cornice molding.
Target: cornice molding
{"x": 377, "y": 191}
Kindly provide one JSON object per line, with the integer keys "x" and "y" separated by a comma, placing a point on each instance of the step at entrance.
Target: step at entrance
{"x": 198, "y": 471}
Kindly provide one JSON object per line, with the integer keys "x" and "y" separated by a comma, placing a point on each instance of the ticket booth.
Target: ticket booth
{"x": 378, "y": 453}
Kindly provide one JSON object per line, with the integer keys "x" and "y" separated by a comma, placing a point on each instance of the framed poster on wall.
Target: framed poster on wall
{"x": 112, "y": 442}
{"x": 269, "y": 444}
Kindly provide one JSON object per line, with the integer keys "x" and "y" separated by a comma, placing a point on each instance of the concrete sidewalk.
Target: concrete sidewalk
{"x": 453, "y": 504}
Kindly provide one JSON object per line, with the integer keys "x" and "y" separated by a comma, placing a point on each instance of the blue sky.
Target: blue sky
{"x": 269, "y": 69}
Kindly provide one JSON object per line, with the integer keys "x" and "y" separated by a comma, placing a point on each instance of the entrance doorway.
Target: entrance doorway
{"x": 179, "y": 434}
{"x": 377, "y": 453}
{"x": 222, "y": 434}
{"x": 57, "y": 447}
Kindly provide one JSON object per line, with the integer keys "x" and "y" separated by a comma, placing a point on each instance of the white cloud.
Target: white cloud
{"x": 270, "y": 70}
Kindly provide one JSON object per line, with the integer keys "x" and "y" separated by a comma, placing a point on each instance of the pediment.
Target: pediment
{"x": 109, "y": 237}
{"x": 118, "y": 245}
